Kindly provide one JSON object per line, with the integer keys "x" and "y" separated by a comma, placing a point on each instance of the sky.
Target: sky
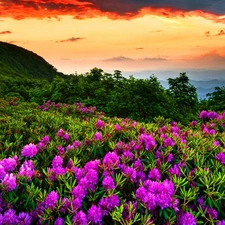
{"x": 128, "y": 35}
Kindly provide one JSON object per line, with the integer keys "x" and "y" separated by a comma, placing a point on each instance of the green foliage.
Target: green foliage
{"x": 185, "y": 96}
{"x": 16, "y": 61}
{"x": 194, "y": 152}
{"x": 216, "y": 100}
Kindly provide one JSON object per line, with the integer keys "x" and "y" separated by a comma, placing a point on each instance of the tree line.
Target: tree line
{"x": 138, "y": 99}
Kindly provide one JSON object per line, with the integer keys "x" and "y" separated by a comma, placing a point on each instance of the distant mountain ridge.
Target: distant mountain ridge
{"x": 17, "y": 61}
{"x": 205, "y": 81}
{"x": 203, "y": 86}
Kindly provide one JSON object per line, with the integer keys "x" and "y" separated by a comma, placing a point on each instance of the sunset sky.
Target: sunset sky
{"x": 128, "y": 35}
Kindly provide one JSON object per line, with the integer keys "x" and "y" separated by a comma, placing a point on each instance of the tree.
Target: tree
{"x": 216, "y": 100}
{"x": 185, "y": 96}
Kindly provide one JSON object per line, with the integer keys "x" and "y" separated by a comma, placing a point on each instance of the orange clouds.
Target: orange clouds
{"x": 113, "y": 9}
{"x": 72, "y": 39}
{"x": 6, "y": 32}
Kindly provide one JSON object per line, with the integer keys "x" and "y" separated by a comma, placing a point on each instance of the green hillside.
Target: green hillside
{"x": 17, "y": 61}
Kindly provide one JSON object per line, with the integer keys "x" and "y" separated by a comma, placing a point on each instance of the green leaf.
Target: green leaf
{"x": 165, "y": 215}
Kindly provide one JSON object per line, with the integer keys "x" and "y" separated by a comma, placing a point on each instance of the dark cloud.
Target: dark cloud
{"x": 133, "y": 6}
{"x": 220, "y": 33}
{"x": 207, "y": 33}
{"x": 72, "y": 39}
{"x": 114, "y": 9}
{"x": 123, "y": 58}
{"x": 6, "y": 32}
{"x": 139, "y": 48}
{"x": 119, "y": 59}
{"x": 154, "y": 59}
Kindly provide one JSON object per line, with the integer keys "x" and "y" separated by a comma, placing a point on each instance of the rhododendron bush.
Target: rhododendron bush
{"x": 70, "y": 164}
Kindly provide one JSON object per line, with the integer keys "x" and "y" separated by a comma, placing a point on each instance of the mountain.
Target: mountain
{"x": 17, "y": 61}
{"x": 203, "y": 86}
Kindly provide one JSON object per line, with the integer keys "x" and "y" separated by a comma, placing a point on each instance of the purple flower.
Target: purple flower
{"x": 9, "y": 182}
{"x": 193, "y": 123}
{"x": 61, "y": 150}
{"x": 154, "y": 174}
{"x": 93, "y": 164}
{"x": 45, "y": 139}
{"x": 41, "y": 145}
{"x": 78, "y": 173}
{"x": 216, "y": 143}
{"x": 146, "y": 197}
{"x": 108, "y": 183}
{"x": 51, "y": 199}
{"x": 174, "y": 129}
{"x": 117, "y": 127}
{"x": 90, "y": 180}
{"x": 174, "y": 204}
{"x": 138, "y": 165}
{"x": 29, "y": 150}
{"x": 201, "y": 202}
{"x": 27, "y": 169}
{"x": 76, "y": 204}
{"x": 10, "y": 217}
{"x": 47, "y": 103}
{"x": 221, "y": 222}
{"x": 69, "y": 147}
{"x": 94, "y": 214}
{"x": 148, "y": 141}
{"x": 57, "y": 171}
{"x": 78, "y": 192}
{"x": 140, "y": 194}
{"x": 187, "y": 219}
{"x": 203, "y": 114}
{"x": 24, "y": 218}
{"x": 65, "y": 205}
{"x": 111, "y": 160}
{"x": 212, "y": 131}
{"x": 99, "y": 124}
{"x": 109, "y": 203}
{"x": 212, "y": 115}
{"x": 150, "y": 201}
{"x": 164, "y": 200}
{"x": 57, "y": 161}
{"x": 127, "y": 155}
{"x": 130, "y": 173}
{"x": 141, "y": 177}
{"x": 167, "y": 187}
{"x": 59, "y": 221}
{"x": 170, "y": 157}
{"x": 9, "y": 164}
{"x": 80, "y": 218}
{"x": 212, "y": 213}
{"x": 220, "y": 157}
{"x": 168, "y": 142}
{"x": 76, "y": 144}
{"x": 60, "y": 132}
{"x": 2, "y": 172}
{"x": 66, "y": 137}
{"x": 175, "y": 170}
{"x": 57, "y": 105}
{"x": 142, "y": 130}
{"x": 98, "y": 137}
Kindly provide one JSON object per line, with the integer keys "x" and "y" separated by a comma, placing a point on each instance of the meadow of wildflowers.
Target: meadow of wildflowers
{"x": 70, "y": 164}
